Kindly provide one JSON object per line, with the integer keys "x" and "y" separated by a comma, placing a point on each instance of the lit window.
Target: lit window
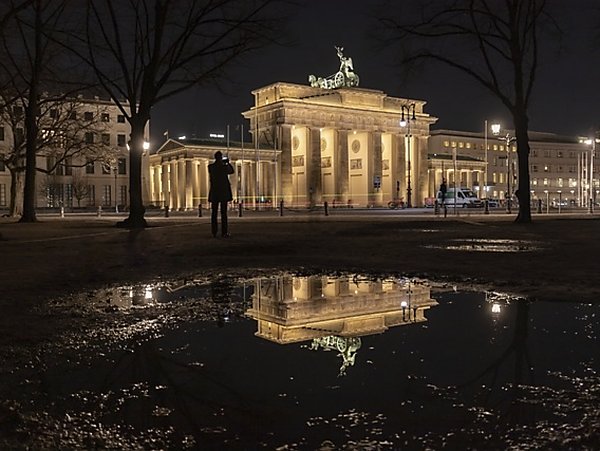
{"x": 468, "y": 145}
{"x": 446, "y": 143}
{"x": 560, "y": 182}
{"x": 461, "y": 144}
{"x": 501, "y": 147}
{"x": 545, "y": 182}
{"x": 495, "y": 146}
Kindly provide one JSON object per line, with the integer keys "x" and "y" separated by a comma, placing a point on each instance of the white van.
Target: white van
{"x": 465, "y": 198}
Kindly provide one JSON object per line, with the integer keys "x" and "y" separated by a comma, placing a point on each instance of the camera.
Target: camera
{"x": 225, "y": 160}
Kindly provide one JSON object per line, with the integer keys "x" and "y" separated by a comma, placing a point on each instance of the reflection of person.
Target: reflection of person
{"x": 220, "y": 192}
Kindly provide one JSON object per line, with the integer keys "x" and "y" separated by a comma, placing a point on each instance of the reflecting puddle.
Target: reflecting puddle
{"x": 322, "y": 362}
{"x": 489, "y": 245}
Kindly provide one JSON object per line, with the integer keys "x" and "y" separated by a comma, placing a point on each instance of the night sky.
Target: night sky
{"x": 566, "y": 97}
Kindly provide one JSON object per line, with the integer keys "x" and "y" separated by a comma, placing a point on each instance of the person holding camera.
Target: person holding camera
{"x": 220, "y": 192}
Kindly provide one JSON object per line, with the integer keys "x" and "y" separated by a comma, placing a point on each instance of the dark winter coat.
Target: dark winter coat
{"x": 220, "y": 189}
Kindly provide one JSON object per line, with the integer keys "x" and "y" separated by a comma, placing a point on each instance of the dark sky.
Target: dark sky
{"x": 566, "y": 96}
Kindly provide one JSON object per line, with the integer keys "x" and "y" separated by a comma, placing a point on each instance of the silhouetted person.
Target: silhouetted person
{"x": 443, "y": 190}
{"x": 220, "y": 192}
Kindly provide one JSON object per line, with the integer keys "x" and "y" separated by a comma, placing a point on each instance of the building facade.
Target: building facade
{"x": 561, "y": 168}
{"x": 93, "y": 172}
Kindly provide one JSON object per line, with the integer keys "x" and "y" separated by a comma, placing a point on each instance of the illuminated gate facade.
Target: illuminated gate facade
{"x": 344, "y": 146}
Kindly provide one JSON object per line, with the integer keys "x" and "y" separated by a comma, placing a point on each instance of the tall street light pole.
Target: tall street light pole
{"x": 591, "y": 177}
{"x": 405, "y": 122}
{"x": 496, "y": 128}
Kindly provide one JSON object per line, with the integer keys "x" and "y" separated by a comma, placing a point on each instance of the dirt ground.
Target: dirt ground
{"x": 557, "y": 256}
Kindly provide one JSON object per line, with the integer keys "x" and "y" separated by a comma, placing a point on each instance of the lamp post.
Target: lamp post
{"x": 508, "y": 140}
{"x": 591, "y": 142}
{"x": 406, "y": 123}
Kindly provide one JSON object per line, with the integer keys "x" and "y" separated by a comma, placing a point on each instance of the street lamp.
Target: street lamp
{"x": 406, "y": 123}
{"x": 591, "y": 142}
{"x": 508, "y": 140}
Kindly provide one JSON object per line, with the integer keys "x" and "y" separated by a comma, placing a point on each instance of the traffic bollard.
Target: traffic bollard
{"x": 326, "y": 207}
{"x": 99, "y": 212}
{"x": 166, "y": 211}
{"x": 486, "y": 207}
{"x": 241, "y": 209}
{"x": 199, "y": 210}
{"x": 281, "y": 207}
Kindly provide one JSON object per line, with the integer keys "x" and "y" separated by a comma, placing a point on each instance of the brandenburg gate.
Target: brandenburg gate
{"x": 327, "y": 141}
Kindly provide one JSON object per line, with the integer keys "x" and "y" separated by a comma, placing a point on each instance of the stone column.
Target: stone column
{"x": 341, "y": 169}
{"x": 313, "y": 166}
{"x": 173, "y": 185}
{"x": 395, "y": 173}
{"x": 181, "y": 199}
{"x": 287, "y": 188}
{"x": 196, "y": 183}
{"x": 165, "y": 183}
{"x": 420, "y": 171}
{"x": 204, "y": 180}
{"x": 189, "y": 175}
{"x": 402, "y": 166}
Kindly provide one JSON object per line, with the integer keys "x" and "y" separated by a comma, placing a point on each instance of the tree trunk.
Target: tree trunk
{"x": 523, "y": 192}
{"x": 17, "y": 183}
{"x": 136, "y": 202}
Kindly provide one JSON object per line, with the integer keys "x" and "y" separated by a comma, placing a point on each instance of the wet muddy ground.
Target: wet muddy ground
{"x": 83, "y": 369}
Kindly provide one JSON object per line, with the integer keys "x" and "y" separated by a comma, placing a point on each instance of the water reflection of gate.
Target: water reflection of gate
{"x": 335, "y": 311}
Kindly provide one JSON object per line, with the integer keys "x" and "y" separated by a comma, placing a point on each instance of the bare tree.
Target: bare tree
{"x": 495, "y": 43}
{"x": 65, "y": 137}
{"x": 81, "y": 187}
{"x": 144, "y": 51}
{"x": 28, "y": 58}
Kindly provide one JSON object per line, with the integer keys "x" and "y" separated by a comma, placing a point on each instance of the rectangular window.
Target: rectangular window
{"x": 3, "y": 195}
{"x": 545, "y": 182}
{"x": 88, "y": 116}
{"x": 89, "y": 137}
{"x": 89, "y": 167}
{"x": 91, "y": 195}
{"x": 547, "y": 154}
{"x": 106, "y": 196}
{"x": 121, "y": 140}
{"x": 18, "y": 111}
{"x": 2, "y": 166}
{"x": 53, "y": 113}
{"x": 105, "y": 168}
{"x": 123, "y": 195}
{"x": 534, "y": 153}
{"x": 560, "y": 182}
{"x": 68, "y": 195}
{"x": 73, "y": 115}
{"x": 559, "y": 154}
{"x": 121, "y": 119}
{"x": 1, "y": 133}
{"x": 534, "y": 168}
{"x": 20, "y": 136}
{"x": 106, "y": 139}
{"x": 122, "y": 166}
{"x": 68, "y": 166}
{"x": 105, "y": 117}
